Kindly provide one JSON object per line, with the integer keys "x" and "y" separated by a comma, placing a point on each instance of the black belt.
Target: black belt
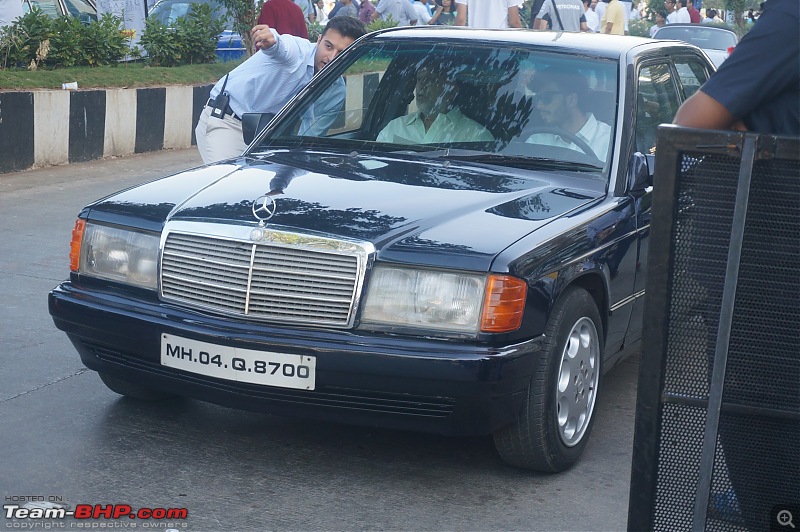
{"x": 227, "y": 111}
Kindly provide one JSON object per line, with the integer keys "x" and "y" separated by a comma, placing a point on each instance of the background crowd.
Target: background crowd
{"x": 564, "y": 15}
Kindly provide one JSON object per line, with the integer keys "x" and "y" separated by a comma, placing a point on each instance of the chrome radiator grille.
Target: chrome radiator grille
{"x": 288, "y": 281}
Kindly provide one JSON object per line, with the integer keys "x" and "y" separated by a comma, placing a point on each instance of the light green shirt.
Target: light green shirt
{"x": 449, "y": 127}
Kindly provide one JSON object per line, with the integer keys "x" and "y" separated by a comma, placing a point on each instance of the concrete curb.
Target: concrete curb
{"x": 42, "y": 128}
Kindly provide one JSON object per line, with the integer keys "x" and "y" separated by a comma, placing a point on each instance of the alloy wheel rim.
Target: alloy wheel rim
{"x": 578, "y": 377}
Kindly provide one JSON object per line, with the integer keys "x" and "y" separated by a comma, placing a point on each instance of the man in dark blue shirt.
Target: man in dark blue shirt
{"x": 758, "y": 87}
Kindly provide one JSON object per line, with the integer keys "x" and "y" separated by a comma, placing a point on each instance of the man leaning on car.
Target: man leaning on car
{"x": 266, "y": 82}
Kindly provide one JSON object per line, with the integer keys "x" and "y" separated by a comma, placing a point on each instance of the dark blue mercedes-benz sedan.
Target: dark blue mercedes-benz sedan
{"x": 445, "y": 231}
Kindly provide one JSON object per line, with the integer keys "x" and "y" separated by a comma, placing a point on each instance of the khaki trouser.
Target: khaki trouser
{"x": 218, "y": 138}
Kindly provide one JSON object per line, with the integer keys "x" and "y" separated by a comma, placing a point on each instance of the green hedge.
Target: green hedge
{"x": 193, "y": 39}
{"x": 38, "y": 40}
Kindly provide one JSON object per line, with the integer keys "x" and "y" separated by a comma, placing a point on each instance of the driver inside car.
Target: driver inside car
{"x": 560, "y": 99}
{"x": 438, "y": 118}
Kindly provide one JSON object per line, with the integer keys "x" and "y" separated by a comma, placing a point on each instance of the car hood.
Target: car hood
{"x": 454, "y": 212}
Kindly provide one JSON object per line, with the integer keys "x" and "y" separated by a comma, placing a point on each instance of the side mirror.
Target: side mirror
{"x": 253, "y": 124}
{"x": 641, "y": 173}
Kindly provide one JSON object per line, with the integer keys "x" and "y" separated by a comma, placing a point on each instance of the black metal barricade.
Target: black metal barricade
{"x": 717, "y": 437}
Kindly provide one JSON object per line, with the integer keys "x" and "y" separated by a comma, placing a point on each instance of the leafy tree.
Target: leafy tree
{"x": 198, "y": 32}
{"x": 380, "y": 24}
{"x": 737, "y": 7}
{"x": 161, "y": 44}
{"x": 192, "y": 40}
{"x": 36, "y": 39}
{"x": 244, "y": 14}
{"x": 26, "y": 42}
{"x": 101, "y": 42}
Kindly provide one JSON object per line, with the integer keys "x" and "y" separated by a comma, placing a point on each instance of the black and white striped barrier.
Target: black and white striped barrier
{"x": 41, "y": 128}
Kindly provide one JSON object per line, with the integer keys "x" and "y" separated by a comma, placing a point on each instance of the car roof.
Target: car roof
{"x": 696, "y": 26}
{"x": 593, "y": 44}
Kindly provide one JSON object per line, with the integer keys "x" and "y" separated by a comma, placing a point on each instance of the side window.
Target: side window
{"x": 82, "y": 10}
{"x": 341, "y": 110}
{"x": 656, "y": 103}
{"x": 176, "y": 11}
{"x": 48, "y": 7}
{"x": 692, "y": 75}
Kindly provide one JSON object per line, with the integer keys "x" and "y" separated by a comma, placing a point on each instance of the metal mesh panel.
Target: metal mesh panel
{"x": 733, "y": 442}
{"x": 766, "y": 319}
{"x": 679, "y": 460}
{"x": 724, "y": 513}
{"x": 700, "y": 234}
{"x": 762, "y": 380}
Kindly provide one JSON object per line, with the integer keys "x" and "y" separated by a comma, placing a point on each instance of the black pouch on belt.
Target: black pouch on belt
{"x": 220, "y": 104}
{"x": 221, "y": 101}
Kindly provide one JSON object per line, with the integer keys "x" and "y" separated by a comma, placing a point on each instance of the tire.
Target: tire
{"x": 132, "y": 390}
{"x": 555, "y": 422}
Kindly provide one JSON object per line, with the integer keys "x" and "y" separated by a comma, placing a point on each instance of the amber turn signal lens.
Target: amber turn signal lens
{"x": 504, "y": 304}
{"x": 75, "y": 245}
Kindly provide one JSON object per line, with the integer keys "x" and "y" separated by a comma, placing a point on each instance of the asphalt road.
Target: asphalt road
{"x": 66, "y": 438}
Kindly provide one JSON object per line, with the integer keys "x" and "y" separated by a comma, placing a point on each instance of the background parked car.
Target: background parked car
{"x": 718, "y": 43}
{"x": 229, "y": 45}
{"x": 85, "y": 10}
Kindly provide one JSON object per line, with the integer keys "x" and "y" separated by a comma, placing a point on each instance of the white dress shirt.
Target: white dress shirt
{"x": 592, "y": 20}
{"x": 271, "y": 77}
{"x": 490, "y": 14}
{"x": 423, "y": 15}
{"x": 595, "y": 133}
{"x": 681, "y": 15}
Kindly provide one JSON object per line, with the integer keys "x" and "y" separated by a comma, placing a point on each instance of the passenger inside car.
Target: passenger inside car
{"x": 437, "y": 117}
{"x": 562, "y": 101}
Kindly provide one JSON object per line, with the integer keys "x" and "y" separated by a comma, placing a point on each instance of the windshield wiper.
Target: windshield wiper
{"x": 517, "y": 161}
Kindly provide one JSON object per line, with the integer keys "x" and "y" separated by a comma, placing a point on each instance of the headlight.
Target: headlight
{"x": 444, "y": 301}
{"x": 119, "y": 255}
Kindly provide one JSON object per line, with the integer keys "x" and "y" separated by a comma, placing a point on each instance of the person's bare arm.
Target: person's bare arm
{"x": 539, "y": 24}
{"x": 584, "y": 27}
{"x": 435, "y": 16}
{"x": 513, "y": 17}
{"x": 461, "y": 15}
{"x": 704, "y": 112}
{"x": 608, "y": 27}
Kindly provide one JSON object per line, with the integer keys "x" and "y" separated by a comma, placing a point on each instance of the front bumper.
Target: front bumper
{"x": 403, "y": 382}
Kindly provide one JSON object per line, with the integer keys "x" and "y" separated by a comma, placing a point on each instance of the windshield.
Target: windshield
{"x": 508, "y": 106}
{"x": 706, "y": 38}
{"x": 168, "y": 11}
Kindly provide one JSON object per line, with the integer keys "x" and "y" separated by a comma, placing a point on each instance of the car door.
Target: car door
{"x": 662, "y": 85}
{"x": 660, "y": 89}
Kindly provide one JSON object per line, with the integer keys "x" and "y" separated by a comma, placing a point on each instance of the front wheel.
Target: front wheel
{"x": 554, "y": 425}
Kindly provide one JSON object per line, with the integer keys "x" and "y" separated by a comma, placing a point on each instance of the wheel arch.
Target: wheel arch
{"x": 594, "y": 282}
